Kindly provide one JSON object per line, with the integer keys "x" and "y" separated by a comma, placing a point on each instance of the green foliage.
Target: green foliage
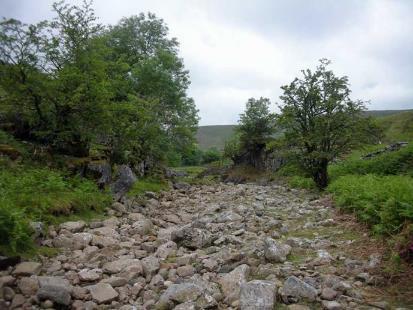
{"x": 320, "y": 120}
{"x": 255, "y": 129}
{"x": 70, "y": 83}
{"x": 384, "y": 202}
{"x": 256, "y": 124}
{"x": 211, "y": 155}
{"x": 301, "y": 182}
{"x": 43, "y": 193}
{"x": 28, "y": 194}
{"x": 391, "y": 163}
{"x": 232, "y": 147}
{"x": 15, "y": 233}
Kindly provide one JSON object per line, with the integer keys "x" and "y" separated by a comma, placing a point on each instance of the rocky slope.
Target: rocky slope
{"x": 209, "y": 247}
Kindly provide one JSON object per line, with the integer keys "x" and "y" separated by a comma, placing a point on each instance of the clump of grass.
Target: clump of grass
{"x": 383, "y": 202}
{"x": 147, "y": 185}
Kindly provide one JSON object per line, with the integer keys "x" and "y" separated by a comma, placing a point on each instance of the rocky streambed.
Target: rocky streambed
{"x": 202, "y": 247}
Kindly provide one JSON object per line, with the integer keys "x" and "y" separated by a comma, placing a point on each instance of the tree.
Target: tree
{"x": 320, "y": 120}
{"x": 22, "y": 82}
{"x": 156, "y": 73}
{"x": 256, "y": 126}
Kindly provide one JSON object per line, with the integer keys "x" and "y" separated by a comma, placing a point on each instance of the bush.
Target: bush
{"x": 211, "y": 155}
{"x": 383, "y": 202}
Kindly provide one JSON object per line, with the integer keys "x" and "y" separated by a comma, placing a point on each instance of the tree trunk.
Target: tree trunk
{"x": 320, "y": 176}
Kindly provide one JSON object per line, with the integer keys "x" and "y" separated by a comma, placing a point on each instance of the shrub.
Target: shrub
{"x": 384, "y": 202}
{"x": 211, "y": 155}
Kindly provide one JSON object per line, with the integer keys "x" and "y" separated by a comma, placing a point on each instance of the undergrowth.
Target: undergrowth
{"x": 30, "y": 193}
{"x": 383, "y": 202}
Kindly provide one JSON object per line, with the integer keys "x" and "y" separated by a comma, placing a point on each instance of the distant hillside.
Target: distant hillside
{"x": 379, "y": 113}
{"x": 398, "y": 125}
{"x": 214, "y": 136}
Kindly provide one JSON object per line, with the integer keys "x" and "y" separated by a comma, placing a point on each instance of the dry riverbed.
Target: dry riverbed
{"x": 207, "y": 247}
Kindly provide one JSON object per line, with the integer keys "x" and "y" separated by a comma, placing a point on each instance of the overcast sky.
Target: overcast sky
{"x": 237, "y": 49}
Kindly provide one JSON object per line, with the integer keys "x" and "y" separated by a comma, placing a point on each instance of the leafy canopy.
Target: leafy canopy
{"x": 320, "y": 120}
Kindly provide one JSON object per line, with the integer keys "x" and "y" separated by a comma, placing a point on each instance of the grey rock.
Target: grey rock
{"x": 294, "y": 287}
{"x": 328, "y": 293}
{"x": 118, "y": 207}
{"x": 73, "y": 227}
{"x": 276, "y": 252}
{"x": 100, "y": 170}
{"x": 331, "y": 305}
{"x": 27, "y": 269}
{"x": 7, "y": 281}
{"x": 231, "y": 282}
{"x": 103, "y": 293}
{"x": 179, "y": 293}
{"x": 186, "y": 306}
{"x": 257, "y": 294}
{"x": 124, "y": 180}
{"x": 166, "y": 249}
{"x": 121, "y": 264}
{"x": 86, "y": 275}
{"x": 115, "y": 281}
{"x": 150, "y": 265}
{"x": 17, "y": 301}
{"x": 185, "y": 271}
{"x": 28, "y": 286}
{"x": 62, "y": 241}
{"x": 56, "y": 289}
{"x": 81, "y": 240}
{"x": 8, "y": 293}
{"x": 38, "y": 229}
{"x": 192, "y": 237}
{"x": 142, "y": 227}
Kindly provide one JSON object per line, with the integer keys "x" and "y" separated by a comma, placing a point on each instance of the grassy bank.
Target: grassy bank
{"x": 35, "y": 193}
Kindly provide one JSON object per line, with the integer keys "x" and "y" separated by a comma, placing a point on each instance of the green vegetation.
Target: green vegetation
{"x": 384, "y": 202}
{"x": 147, "y": 185}
{"x": 397, "y": 127}
{"x": 255, "y": 129}
{"x": 391, "y": 163}
{"x": 320, "y": 121}
{"x": 71, "y": 83}
{"x": 29, "y": 193}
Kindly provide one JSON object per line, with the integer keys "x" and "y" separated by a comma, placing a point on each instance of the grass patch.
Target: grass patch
{"x": 301, "y": 182}
{"x": 383, "y": 202}
{"x": 147, "y": 185}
